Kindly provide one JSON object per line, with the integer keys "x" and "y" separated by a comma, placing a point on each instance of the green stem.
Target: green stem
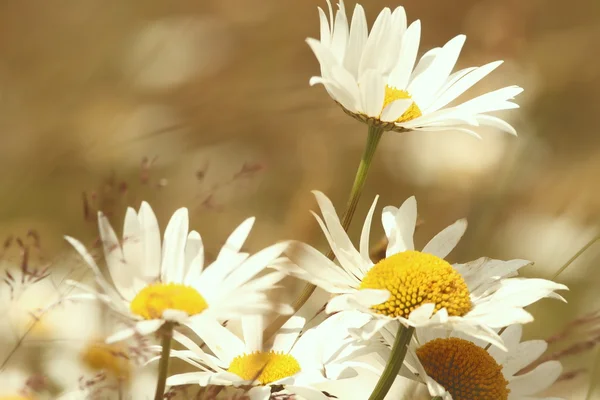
{"x": 576, "y": 256}
{"x": 394, "y": 363}
{"x": 163, "y": 365}
{"x": 373, "y": 137}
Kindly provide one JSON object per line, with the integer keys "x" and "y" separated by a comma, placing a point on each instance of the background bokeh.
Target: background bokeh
{"x": 206, "y": 104}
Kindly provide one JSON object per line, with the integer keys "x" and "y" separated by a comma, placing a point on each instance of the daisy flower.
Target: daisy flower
{"x": 294, "y": 362}
{"x": 455, "y": 367}
{"x": 376, "y": 78}
{"x": 418, "y": 288}
{"x": 153, "y": 285}
{"x": 84, "y": 366}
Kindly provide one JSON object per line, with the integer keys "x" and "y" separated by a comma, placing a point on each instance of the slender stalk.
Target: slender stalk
{"x": 373, "y": 137}
{"x": 576, "y": 256}
{"x": 394, "y": 363}
{"x": 163, "y": 365}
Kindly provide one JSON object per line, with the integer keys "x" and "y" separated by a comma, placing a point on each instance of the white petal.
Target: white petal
{"x": 525, "y": 354}
{"x": 252, "y": 329}
{"x": 424, "y": 86}
{"x": 142, "y": 328}
{"x": 372, "y": 92}
{"x": 356, "y": 41}
{"x": 345, "y": 80}
{"x": 238, "y": 237}
{"x": 537, "y": 380}
{"x": 365, "y": 235}
{"x": 251, "y": 267}
{"x": 288, "y": 334}
{"x": 462, "y": 85}
{"x": 120, "y": 272}
{"x": 150, "y": 236}
{"x": 401, "y": 235}
{"x": 424, "y": 63}
{"x": 492, "y": 101}
{"x": 374, "y": 48}
{"x": 422, "y": 314}
{"x": 173, "y": 315}
{"x": 358, "y": 300}
{"x": 495, "y": 122}
{"x": 406, "y": 60}
{"x": 337, "y": 237}
{"x": 320, "y": 270}
{"x": 340, "y": 33}
{"x": 338, "y": 93}
{"x": 395, "y": 109}
{"x": 444, "y": 242}
{"x": 188, "y": 378}
{"x": 224, "y": 344}
{"x": 324, "y": 28}
{"x": 173, "y": 250}
{"x": 80, "y": 248}
{"x": 133, "y": 248}
{"x": 522, "y": 292}
{"x": 196, "y": 264}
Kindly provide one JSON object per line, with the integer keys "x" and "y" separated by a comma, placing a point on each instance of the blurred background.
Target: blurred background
{"x": 206, "y": 104}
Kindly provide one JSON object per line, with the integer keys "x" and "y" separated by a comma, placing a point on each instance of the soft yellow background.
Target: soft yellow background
{"x": 88, "y": 88}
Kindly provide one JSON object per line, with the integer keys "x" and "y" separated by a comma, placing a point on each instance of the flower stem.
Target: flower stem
{"x": 394, "y": 363}
{"x": 576, "y": 256}
{"x": 163, "y": 365}
{"x": 373, "y": 137}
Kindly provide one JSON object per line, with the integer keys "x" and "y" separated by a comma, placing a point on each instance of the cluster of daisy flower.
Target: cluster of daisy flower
{"x": 453, "y": 331}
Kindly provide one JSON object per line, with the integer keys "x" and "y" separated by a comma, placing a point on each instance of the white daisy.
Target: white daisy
{"x": 154, "y": 285}
{"x": 84, "y": 366}
{"x": 418, "y": 288}
{"x": 374, "y": 78}
{"x": 295, "y": 360}
{"x": 457, "y": 367}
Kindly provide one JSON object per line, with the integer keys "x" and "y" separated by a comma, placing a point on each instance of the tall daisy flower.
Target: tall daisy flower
{"x": 294, "y": 362}
{"x": 376, "y": 78}
{"x": 154, "y": 284}
{"x": 417, "y": 288}
{"x": 455, "y": 367}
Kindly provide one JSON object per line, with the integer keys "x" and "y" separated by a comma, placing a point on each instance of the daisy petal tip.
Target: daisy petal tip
{"x": 315, "y": 80}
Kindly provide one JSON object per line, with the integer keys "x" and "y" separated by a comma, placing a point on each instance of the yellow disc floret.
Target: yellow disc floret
{"x": 265, "y": 367}
{"x": 110, "y": 358}
{"x": 392, "y": 94}
{"x": 414, "y": 278}
{"x": 464, "y": 369}
{"x": 153, "y": 300}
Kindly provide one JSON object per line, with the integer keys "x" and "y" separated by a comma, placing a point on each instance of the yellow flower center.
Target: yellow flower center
{"x": 465, "y": 370}
{"x": 265, "y": 367}
{"x": 110, "y": 358}
{"x": 392, "y": 94}
{"x": 414, "y": 278}
{"x": 154, "y": 299}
